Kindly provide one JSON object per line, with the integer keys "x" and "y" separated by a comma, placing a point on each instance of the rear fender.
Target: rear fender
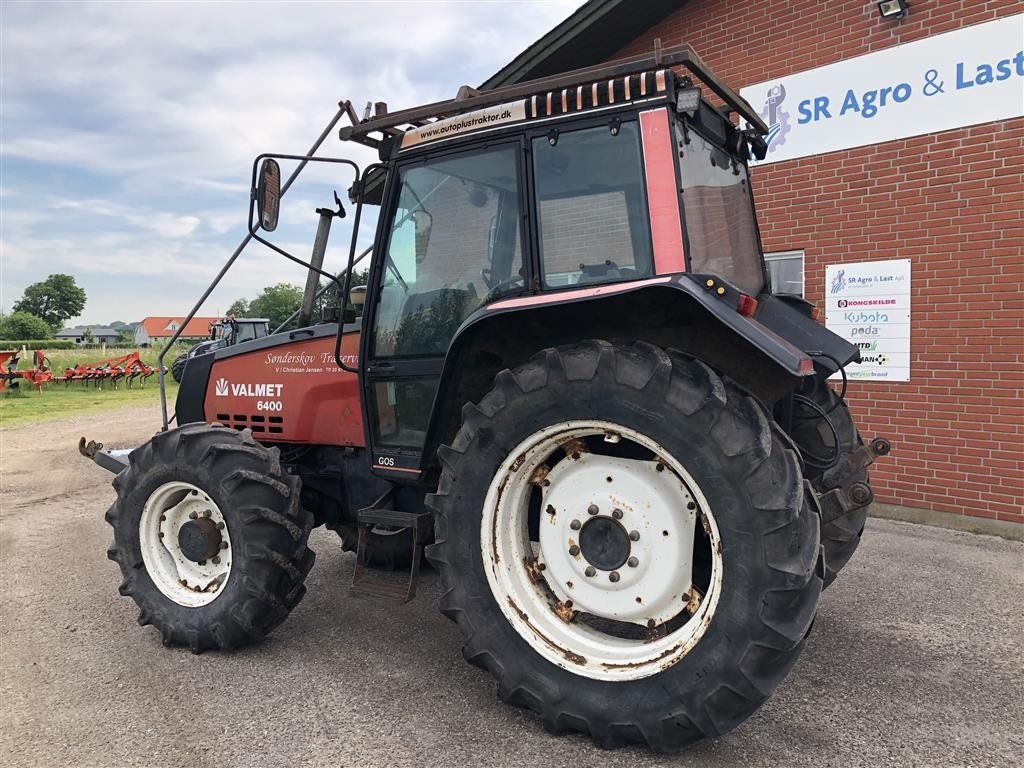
{"x": 674, "y": 312}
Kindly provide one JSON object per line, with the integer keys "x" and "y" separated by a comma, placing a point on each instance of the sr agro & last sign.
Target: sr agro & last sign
{"x": 965, "y": 77}
{"x": 868, "y": 304}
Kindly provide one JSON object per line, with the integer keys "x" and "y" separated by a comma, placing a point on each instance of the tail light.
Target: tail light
{"x": 747, "y": 305}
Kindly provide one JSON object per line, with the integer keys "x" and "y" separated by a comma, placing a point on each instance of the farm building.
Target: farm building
{"x": 158, "y": 329}
{"x": 891, "y": 197}
{"x": 79, "y": 334}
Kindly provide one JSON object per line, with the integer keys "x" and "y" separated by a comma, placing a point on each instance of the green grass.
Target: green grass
{"x": 24, "y": 405}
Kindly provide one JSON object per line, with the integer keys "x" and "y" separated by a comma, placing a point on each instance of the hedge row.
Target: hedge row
{"x": 37, "y": 344}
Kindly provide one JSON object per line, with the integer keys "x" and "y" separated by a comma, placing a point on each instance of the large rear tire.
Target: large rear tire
{"x": 715, "y": 516}
{"x": 210, "y": 537}
{"x": 840, "y": 537}
{"x": 178, "y": 367}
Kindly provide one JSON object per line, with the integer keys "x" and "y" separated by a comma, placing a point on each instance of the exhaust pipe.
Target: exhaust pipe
{"x": 323, "y": 234}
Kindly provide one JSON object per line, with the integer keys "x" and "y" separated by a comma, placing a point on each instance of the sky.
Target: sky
{"x": 128, "y": 130}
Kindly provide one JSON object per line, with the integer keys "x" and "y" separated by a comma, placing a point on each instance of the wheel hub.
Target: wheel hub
{"x": 186, "y": 545}
{"x": 604, "y": 543}
{"x": 617, "y": 539}
{"x": 199, "y": 539}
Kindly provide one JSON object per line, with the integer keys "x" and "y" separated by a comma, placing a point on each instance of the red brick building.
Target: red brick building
{"x": 950, "y": 200}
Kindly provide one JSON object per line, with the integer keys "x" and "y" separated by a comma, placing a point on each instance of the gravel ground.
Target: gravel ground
{"x": 915, "y": 658}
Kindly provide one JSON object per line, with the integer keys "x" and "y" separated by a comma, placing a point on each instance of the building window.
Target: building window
{"x": 786, "y": 272}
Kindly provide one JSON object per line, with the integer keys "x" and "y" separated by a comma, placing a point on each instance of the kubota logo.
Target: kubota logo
{"x": 222, "y": 387}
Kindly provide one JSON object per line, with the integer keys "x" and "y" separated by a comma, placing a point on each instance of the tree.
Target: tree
{"x": 88, "y": 336}
{"x": 331, "y": 291}
{"x": 24, "y": 325}
{"x": 240, "y": 308}
{"x": 55, "y": 299}
{"x": 276, "y": 303}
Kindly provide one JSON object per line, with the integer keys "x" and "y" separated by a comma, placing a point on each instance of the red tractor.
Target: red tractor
{"x": 569, "y": 383}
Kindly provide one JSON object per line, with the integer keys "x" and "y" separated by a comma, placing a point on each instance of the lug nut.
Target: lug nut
{"x": 223, "y": 545}
{"x": 163, "y": 518}
{"x": 575, "y": 525}
{"x": 220, "y": 526}
{"x": 202, "y": 562}
{"x": 574, "y": 550}
{"x": 634, "y": 535}
{"x": 207, "y": 513}
{"x": 592, "y": 509}
{"x": 215, "y": 560}
{"x": 613, "y": 576}
{"x": 591, "y": 571}
{"x": 632, "y": 562}
{"x": 161, "y": 534}
{"x": 617, "y": 514}
{"x": 193, "y": 515}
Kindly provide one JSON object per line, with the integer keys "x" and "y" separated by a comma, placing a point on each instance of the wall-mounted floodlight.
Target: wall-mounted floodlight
{"x": 893, "y": 9}
{"x": 688, "y": 100}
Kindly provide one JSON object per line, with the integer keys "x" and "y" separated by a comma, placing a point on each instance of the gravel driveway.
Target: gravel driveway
{"x": 915, "y": 659}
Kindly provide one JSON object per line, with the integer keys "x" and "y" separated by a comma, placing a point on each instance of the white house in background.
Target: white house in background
{"x": 100, "y": 334}
{"x": 156, "y": 329}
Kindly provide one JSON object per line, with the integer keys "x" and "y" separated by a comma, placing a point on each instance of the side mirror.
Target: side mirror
{"x": 423, "y": 222}
{"x": 268, "y": 194}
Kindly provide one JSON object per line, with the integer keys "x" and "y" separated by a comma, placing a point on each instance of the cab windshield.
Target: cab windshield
{"x": 719, "y": 215}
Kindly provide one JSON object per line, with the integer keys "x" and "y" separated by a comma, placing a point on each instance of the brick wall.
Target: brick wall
{"x": 951, "y": 202}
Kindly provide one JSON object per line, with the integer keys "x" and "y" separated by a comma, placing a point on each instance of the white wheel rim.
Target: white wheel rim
{"x": 544, "y": 588}
{"x": 186, "y": 582}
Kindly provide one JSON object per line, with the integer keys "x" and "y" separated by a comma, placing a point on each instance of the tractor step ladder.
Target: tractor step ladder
{"x": 418, "y": 523}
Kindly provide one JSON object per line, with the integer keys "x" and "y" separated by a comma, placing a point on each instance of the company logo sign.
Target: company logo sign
{"x": 775, "y": 117}
{"x": 844, "y": 303}
{"x": 223, "y": 387}
{"x": 938, "y": 83}
{"x": 838, "y": 282}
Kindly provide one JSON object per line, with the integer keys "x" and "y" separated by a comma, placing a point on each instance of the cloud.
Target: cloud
{"x": 130, "y": 128}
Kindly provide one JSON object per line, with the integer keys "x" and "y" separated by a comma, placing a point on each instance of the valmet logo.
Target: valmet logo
{"x": 223, "y": 387}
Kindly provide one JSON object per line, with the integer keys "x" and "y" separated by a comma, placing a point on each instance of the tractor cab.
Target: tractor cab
{"x": 234, "y": 330}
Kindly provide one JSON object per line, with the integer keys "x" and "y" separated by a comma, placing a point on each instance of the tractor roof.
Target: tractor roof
{"x": 638, "y": 78}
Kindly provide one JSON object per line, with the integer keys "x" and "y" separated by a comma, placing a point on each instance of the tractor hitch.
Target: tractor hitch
{"x": 112, "y": 461}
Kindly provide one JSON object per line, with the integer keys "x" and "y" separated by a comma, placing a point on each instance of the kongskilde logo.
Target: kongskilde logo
{"x": 222, "y": 387}
{"x": 843, "y": 303}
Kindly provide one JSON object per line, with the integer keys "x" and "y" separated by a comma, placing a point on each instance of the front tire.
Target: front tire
{"x": 210, "y": 537}
{"x": 593, "y": 665}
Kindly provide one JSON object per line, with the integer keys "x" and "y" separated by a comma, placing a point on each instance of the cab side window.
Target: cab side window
{"x": 592, "y": 206}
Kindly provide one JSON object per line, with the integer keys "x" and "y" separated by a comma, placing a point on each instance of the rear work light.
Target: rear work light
{"x": 747, "y": 305}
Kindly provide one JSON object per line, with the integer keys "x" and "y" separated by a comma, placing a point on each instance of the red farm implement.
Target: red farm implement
{"x": 128, "y": 368}
{"x": 37, "y": 375}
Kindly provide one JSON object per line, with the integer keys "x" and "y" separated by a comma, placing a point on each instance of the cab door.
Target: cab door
{"x": 451, "y": 243}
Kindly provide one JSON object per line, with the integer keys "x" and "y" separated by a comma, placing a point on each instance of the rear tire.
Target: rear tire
{"x": 753, "y": 618}
{"x": 254, "y": 526}
{"x": 178, "y": 367}
{"x": 841, "y": 537}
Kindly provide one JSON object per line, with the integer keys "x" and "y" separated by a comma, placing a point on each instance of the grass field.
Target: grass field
{"x": 24, "y": 404}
